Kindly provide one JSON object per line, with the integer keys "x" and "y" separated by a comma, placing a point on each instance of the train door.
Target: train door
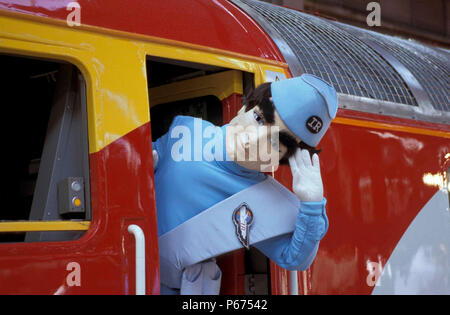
{"x": 77, "y": 182}
{"x": 46, "y": 175}
{"x": 213, "y": 94}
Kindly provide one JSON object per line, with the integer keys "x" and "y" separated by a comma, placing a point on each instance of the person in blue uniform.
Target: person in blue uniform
{"x": 198, "y": 165}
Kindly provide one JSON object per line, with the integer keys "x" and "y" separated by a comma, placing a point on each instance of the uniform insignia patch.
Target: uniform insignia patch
{"x": 242, "y": 219}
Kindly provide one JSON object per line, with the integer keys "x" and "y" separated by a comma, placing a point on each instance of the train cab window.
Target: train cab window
{"x": 45, "y": 151}
{"x": 205, "y": 107}
{"x": 203, "y": 91}
{"x": 173, "y": 91}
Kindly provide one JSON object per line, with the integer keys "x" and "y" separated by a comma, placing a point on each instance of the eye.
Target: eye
{"x": 258, "y": 118}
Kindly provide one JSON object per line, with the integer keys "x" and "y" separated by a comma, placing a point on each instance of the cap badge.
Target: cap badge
{"x": 314, "y": 124}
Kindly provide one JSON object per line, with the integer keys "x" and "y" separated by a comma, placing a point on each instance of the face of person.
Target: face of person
{"x": 253, "y": 143}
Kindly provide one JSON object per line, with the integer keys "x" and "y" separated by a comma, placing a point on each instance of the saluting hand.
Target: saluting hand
{"x": 307, "y": 181}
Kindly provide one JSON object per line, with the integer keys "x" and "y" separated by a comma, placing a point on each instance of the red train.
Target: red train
{"x": 91, "y": 83}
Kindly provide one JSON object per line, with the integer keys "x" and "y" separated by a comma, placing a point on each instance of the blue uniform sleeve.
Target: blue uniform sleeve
{"x": 297, "y": 251}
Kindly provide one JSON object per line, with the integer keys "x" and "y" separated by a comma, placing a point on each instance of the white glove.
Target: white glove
{"x": 307, "y": 182}
{"x": 155, "y": 158}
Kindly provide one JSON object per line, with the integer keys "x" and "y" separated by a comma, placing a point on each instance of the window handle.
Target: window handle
{"x": 140, "y": 257}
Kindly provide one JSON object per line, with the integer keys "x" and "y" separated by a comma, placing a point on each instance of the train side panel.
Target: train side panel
{"x": 383, "y": 179}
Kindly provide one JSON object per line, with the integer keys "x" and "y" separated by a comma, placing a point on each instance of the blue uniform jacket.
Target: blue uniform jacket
{"x": 194, "y": 173}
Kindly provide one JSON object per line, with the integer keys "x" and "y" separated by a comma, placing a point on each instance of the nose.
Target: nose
{"x": 256, "y": 136}
{"x": 245, "y": 139}
{"x": 269, "y": 135}
{"x": 263, "y": 137}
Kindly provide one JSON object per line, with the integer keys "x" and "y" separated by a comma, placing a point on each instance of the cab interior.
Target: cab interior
{"x": 46, "y": 143}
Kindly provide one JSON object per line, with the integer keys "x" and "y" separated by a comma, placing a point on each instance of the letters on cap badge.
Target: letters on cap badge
{"x": 314, "y": 124}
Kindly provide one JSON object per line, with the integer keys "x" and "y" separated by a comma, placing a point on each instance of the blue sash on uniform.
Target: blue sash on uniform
{"x": 213, "y": 232}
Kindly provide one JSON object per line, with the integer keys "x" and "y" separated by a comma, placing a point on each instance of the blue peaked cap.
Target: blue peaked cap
{"x": 306, "y": 104}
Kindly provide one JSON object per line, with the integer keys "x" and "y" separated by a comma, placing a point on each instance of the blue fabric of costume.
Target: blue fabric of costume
{"x": 194, "y": 173}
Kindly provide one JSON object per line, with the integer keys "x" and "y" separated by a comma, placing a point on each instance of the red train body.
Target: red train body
{"x": 380, "y": 171}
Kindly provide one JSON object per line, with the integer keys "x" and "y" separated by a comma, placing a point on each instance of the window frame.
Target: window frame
{"x": 64, "y": 109}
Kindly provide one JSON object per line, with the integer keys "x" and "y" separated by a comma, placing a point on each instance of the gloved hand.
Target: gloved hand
{"x": 155, "y": 159}
{"x": 307, "y": 182}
